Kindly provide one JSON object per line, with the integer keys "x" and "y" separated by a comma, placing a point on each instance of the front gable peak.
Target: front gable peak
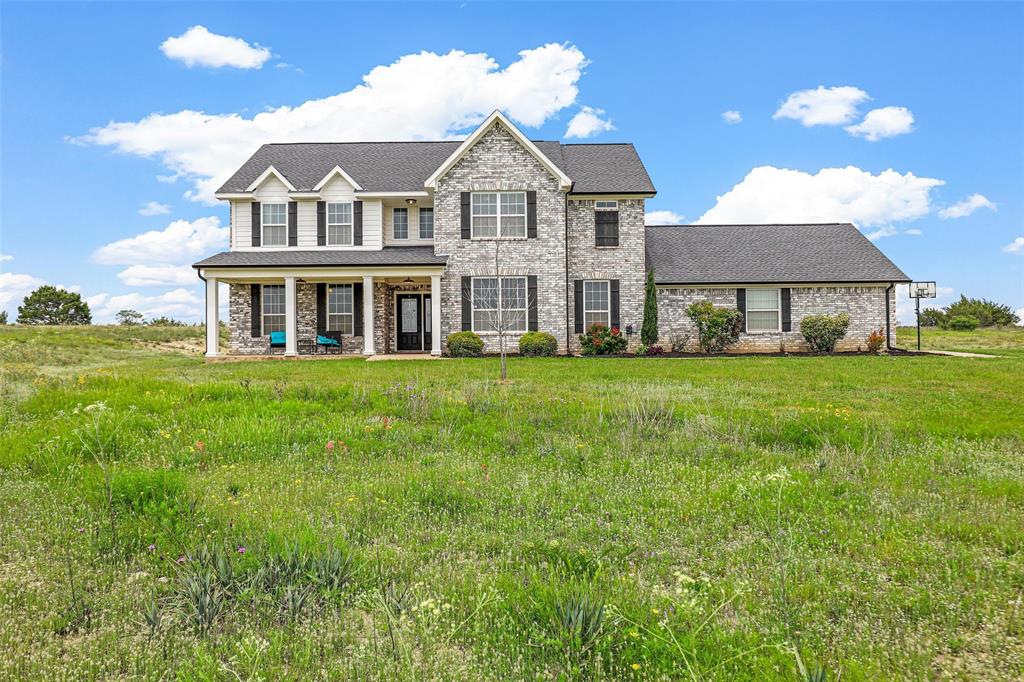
{"x": 271, "y": 171}
{"x": 337, "y": 170}
{"x": 498, "y": 119}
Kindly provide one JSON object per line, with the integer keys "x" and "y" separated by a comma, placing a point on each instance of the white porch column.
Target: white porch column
{"x": 291, "y": 328}
{"x": 212, "y": 323}
{"x": 368, "y": 315}
{"x": 435, "y": 314}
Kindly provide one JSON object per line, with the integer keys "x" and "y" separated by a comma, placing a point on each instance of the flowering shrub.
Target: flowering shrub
{"x": 537, "y": 344}
{"x": 716, "y": 327}
{"x": 822, "y": 332}
{"x": 600, "y": 340}
{"x": 876, "y": 339}
{"x": 655, "y": 350}
{"x": 465, "y": 345}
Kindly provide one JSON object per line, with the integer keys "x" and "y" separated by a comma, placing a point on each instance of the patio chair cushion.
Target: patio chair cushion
{"x": 326, "y": 341}
{"x": 277, "y": 338}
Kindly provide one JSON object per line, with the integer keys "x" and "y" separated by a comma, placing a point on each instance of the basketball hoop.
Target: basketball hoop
{"x": 919, "y": 290}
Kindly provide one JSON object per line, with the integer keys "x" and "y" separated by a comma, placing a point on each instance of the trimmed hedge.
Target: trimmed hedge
{"x": 537, "y": 344}
{"x": 822, "y": 332}
{"x": 465, "y": 345}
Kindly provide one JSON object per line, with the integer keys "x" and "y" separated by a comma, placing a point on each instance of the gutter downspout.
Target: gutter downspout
{"x": 565, "y": 228}
{"x": 888, "y": 317}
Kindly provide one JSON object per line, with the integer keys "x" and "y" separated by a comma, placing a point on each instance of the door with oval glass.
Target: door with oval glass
{"x": 413, "y": 321}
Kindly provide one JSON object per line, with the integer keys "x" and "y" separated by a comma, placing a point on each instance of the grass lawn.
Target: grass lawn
{"x": 619, "y": 519}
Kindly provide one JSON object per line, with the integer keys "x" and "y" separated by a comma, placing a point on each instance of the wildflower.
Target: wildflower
{"x": 635, "y": 634}
{"x": 181, "y": 559}
{"x": 330, "y": 445}
{"x": 80, "y": 529}
{"x": 241, "y": 550}
{"x": 152, "y": 548}
{"x": 655, "y": 611}
{"x": 200, "y": 446}
{"x": 635, "y": 666}
{"x": 162, "y": 579}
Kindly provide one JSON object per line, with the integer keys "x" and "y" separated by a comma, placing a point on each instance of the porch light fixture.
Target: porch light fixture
{"x": 407, "y": 280}
{"x": 411, "y": 202}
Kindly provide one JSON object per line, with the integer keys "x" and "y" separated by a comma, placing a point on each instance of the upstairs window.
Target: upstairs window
{"x": 426, "y": 223}
{"x": 275, "y": 224}
{"x": 339, "y": 224}
{"x": 606, "y": 223}
{"x": 273, "y": 308}
{"x": 596, "y": 303}
{"x": 400, "y": 223}
{"x": 498, "y": 214}
{"x": 763, "y": 310}
{"x": 340, "y": 308}
{"x": 507, "y": 294}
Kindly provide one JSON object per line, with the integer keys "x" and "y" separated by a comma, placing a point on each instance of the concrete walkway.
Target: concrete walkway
{"x": 403, "y": 356}
{"x": 959, "y": 354}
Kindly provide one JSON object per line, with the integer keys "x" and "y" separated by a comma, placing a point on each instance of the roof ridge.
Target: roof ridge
{"x": 753, "y": 224}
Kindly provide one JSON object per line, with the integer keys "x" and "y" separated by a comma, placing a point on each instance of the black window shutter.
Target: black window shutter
{"x": 357, "y": 303}
{"x": 321, "y": 223}
{"x": 321, "y": 308}
{"x": 578, "y": 287}
{"x": 787, "y": 322}
{"x": 741, "y": 305}
{"x": 466, "y": 232}
{"x": 531, "y": 215}
{"x": 255, "y": 314}
{"x": 357, "y": 223}
{"x": 606, "y": 228}
{"x": 613, "y": 300}
{"x": 467, "y": 303}
{"x": 293, "y": 223}
{"x": 531, "y": 303}
{"x": 256, "y": 223}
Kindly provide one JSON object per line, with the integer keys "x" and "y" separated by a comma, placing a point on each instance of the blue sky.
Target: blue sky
{"x": 916, "y": 106}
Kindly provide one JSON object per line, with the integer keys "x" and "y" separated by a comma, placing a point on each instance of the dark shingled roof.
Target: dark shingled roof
{"x": 754, "y": 254}
{"x": 405, "y": 166}
{"x": 391, "y": 255}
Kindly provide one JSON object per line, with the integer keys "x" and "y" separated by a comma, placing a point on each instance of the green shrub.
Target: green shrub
{"x": 986, "y": 313}
{"x": 649, "y": 328}
{"x": 822, "y": 332}
{"x": 537, "y": 344}
{"x": 600, "y": 340}
{"x": 716, "y": 327}
{"x": 933, "y": 317}
{"x": 465, "y": 345}
{"x": 962, "y": 323}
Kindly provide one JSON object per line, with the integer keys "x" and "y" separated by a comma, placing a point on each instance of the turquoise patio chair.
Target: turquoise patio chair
{"x": 328, "y": 344}
{"x": 277, "y": 340}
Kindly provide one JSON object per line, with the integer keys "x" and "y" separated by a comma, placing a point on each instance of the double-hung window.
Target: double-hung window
{"x": 763, "y": 310}
{"x": 275, "y": 224}
{"x": 273, "y": 308}
{"x": 498, "y": 214}
{"x": 596, "y": 303}
{"x": 340, "y": 308}
{"x": 499, "y": 302}
{"x": 426, "y": 223}
{"x": 339, "y": 224}
{"x": 400, "y": 223}
{"x": 606, "y": 223}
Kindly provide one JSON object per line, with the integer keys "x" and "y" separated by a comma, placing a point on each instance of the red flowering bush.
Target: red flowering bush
{"x": 601, "y": 340}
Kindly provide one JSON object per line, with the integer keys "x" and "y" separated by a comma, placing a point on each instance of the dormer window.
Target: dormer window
{"x": 498, "y": 214}
{"x": 339, "y": 224}
{"x": 275, "y": 224}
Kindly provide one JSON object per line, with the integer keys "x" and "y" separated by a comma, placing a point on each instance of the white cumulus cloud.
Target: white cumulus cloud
{"x": 199, "y": 47}
{"x": 462, "y": 88}
{"x": 662, "y": 218}
{"x": 15, "y": 286}
{"x": 884, "y": 122}
{"x": 5, "y": 257}
{"x": 732, "y": 117}
{"x": 587, "y": 123}
{"x": 179, "y": 303}
{"x": 823, "y": 106}
{"x": 962, "y": 209}
{"x": 154, "y": 208}
{"x": 779, "y": 195}
{"x": 1016, "y": 246}
{"x": 178, "y": 242}
{"x": 158, "y": 275}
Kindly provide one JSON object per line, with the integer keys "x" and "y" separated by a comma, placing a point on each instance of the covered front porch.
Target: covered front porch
{"x": 325, "y": 311}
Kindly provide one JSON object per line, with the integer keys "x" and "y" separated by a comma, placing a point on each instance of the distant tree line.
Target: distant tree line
{"x": 969, "y": 313}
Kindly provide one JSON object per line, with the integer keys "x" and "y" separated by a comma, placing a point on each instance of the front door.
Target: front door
{"x": 409, "y": 311}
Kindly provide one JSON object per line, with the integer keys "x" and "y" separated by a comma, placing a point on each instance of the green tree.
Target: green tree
{"x": 987, "y": 313}
{"x": 128, "y": 317}
{"x": 50, "y": 305}
{"x": 649, "y": 329}
{"x": 164, "y": 321}
{"x": 3, "y": 317}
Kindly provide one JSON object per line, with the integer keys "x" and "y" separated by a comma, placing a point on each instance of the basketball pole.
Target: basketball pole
{"x": 918, "y": 300}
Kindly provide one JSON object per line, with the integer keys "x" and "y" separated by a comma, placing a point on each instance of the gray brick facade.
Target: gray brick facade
{"x": 499, "y": 162}
{"x": 864, "y": 304}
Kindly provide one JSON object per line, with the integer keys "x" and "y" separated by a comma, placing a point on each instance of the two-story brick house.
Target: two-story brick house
{"x": 391, "y": 246}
